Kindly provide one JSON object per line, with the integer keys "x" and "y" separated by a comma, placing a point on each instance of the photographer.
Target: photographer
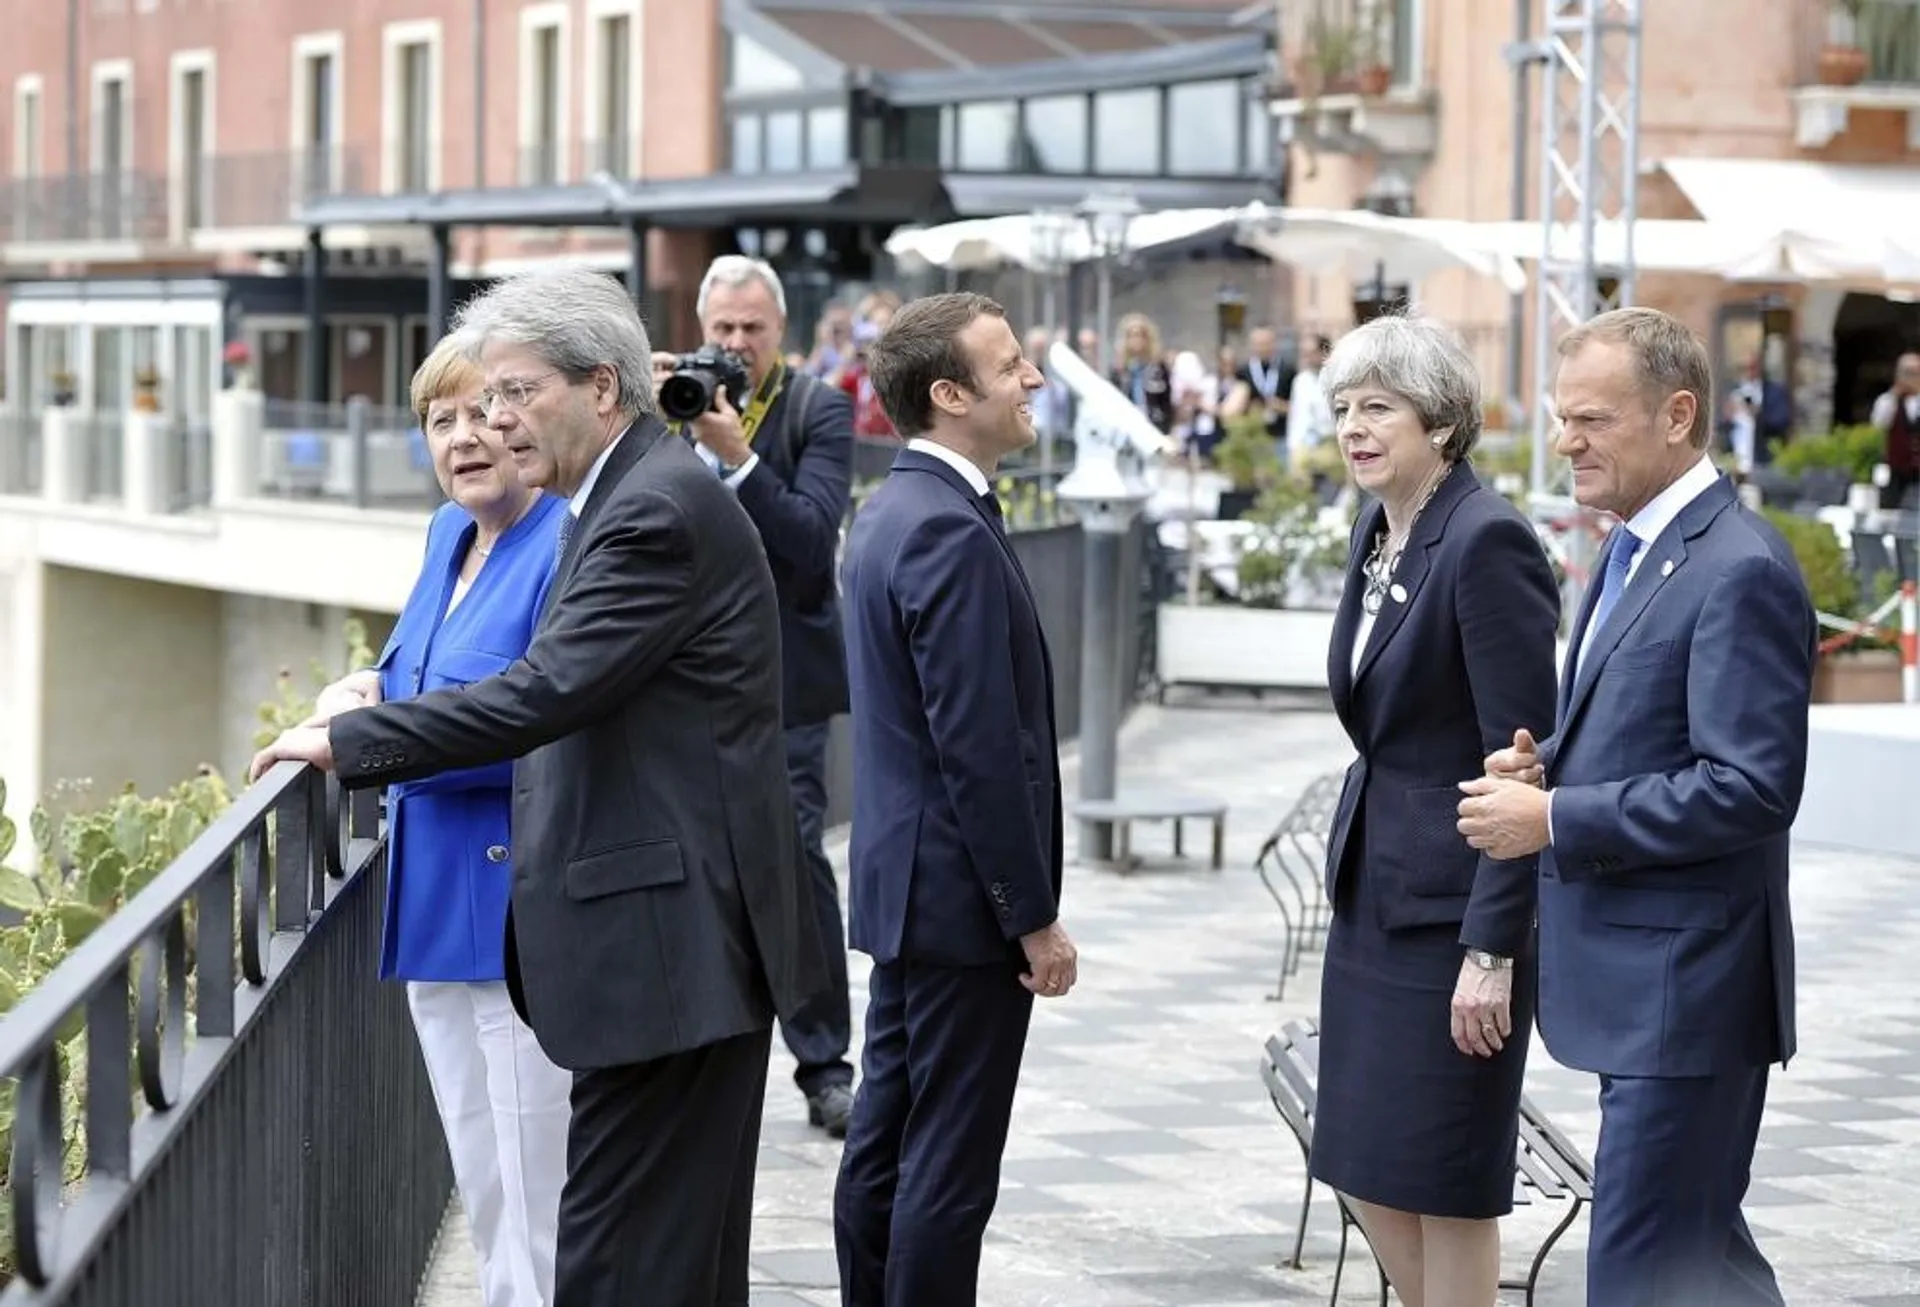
{"x": 785, "y": 446}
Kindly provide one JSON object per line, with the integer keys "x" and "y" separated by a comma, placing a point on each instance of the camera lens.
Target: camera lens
{"x": 684, "y": 396}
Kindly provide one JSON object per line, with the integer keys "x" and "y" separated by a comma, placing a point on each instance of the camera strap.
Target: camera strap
{"x": 756, "y": 411}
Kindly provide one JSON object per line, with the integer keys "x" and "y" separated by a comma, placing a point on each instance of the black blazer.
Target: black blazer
{"x": 956, "y": 847}
{"x": 1448, "y": 675}
{"x": 657, "y": 906}
{"x": 797, "y": 496}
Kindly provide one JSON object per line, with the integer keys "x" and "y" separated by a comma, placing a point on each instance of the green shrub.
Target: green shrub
{"x": 1853, "y": 450}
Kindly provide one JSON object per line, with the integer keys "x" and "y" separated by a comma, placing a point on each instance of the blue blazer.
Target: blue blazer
{"x": 449, "y": 855}
{"x": 1666, "y": 944}
{"x": 956, "y": 847}
{"x": 1448, "y": 674}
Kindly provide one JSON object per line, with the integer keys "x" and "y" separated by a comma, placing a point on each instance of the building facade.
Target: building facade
{"x": 1742, "y": 115}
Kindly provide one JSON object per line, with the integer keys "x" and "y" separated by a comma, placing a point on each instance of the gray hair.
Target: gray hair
{"x": 738, "y": 270}
{"x": 577, "y": 319}
{"x": 1420, "y": 360}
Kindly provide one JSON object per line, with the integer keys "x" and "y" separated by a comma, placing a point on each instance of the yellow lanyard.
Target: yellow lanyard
{"x": 762, "y": 401}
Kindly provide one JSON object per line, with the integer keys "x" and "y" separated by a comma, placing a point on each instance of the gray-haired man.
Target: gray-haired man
{"x": 658, "y": 919}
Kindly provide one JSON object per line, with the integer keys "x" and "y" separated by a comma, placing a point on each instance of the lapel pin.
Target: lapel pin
{"x": 1398, "y": 593}
{"x": 1666, "y": 569}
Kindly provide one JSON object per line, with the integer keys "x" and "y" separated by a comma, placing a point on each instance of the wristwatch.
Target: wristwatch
{"x": 1488, "y": 961}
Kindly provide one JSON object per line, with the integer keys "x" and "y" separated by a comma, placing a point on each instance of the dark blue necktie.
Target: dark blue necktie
{"x": 991, "y": 502}
{"x": 1622, "y": 545}
{"x": 567, "y": 521}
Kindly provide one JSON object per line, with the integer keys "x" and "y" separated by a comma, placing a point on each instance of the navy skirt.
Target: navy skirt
{"x": 1405, "y": 1119}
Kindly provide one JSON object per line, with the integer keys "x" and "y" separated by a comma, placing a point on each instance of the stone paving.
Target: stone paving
{"x": 1147, "y": 1166}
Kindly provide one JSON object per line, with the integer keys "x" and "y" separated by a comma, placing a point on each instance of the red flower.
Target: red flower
{"x": 237, "y": 354}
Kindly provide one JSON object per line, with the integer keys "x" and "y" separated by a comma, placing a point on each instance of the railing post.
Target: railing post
{"x": 239, "y": 420}
{"x": 145, "y": 462}
{"x": 63, "y": 473}
{"x": 358, "y": 421}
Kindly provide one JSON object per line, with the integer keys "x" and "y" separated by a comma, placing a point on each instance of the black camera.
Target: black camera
{"x": 697, "y": 381}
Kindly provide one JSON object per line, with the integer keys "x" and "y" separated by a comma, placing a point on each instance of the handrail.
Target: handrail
{"x": 247, "y": 887}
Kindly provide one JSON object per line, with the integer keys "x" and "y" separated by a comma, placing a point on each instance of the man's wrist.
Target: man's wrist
{"x": 734, "y": 474}
{"x": 1487, "y": 961}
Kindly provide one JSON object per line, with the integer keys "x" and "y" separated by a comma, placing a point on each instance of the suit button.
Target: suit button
{"x": 497, "y": 853}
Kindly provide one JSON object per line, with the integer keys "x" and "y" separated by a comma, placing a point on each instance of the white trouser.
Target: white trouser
{"x": 504, "y": 1107}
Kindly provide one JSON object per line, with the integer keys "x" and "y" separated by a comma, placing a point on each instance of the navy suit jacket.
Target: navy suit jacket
{"x": 1666, "y": 945}
{"x": 797, "y": 497}
{"x": 956, "y": 847}
{"x": 1448, "y": 674}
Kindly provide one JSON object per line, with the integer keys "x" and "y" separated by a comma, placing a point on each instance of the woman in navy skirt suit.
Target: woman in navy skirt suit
{"x": 1443, "y": 648}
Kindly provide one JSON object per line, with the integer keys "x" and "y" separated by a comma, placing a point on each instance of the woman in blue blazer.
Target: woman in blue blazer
{"x": 489, "y": 559}
{"x": 1442, "y": 649}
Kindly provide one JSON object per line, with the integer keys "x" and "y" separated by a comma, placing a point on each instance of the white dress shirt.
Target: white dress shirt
{"x": 958, "y": 462}
{"x": 578, "y": 500}
{"x": 1309, "y": 416}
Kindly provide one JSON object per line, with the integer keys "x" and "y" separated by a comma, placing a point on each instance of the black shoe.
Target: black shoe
{"x": 830, "y": 1108}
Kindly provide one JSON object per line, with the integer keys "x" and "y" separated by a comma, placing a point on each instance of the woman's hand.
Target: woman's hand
{"x": 1482, "y": 1009}
{"x": 354, "y": 690}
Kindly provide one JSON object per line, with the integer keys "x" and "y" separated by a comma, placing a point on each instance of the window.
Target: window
{"x": 112, "y": 153}
{"x": 317, "y": 123}
{"x": 191, "y": 128}
{"x": 612, "y": 125}
{"x": 785, "y": 142}
{"x": 989, "y": 131}
{"x": 753, "y": 67}
{"x": 29, "y": 139}
{"x": 1126, "y": 131}
{"x": 746, "y": 142}
{"x": 1405, "y": 41}
{"x": 922, "y": 139}
{"x": 1261, "y": 129}
{"x": 543, "y": 94}
{"x": 1203, "y": 129}
{"x": 410, "y": 106}
{"x": 1056, "y": 134}
{"x": 826, "y": 137}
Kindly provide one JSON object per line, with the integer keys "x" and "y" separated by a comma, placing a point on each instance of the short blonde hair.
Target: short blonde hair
{"x": 1146, "y": 324}
{"x": 449, "y": 372}
{"x": 1667, "y": 356}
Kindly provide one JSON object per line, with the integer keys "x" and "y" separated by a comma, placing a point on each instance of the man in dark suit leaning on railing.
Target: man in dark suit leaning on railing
{"x": 658, "y": 920}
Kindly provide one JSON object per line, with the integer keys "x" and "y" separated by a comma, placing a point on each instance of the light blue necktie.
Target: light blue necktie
{"x": 1621, "y": 548}
{"x": 567, "y": 522}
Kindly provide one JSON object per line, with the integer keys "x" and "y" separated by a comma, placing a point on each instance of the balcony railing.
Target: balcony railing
{"x": 20, "y": 458}
{"x": 104, "y": 206}
{"x": 103, "y": 438}
{"x": 269, "y": 189}
{"x": 1886, "y": 35}
{"x": 253, "y": 1124}
{"x": 352, "y": 453}
{"x": 1335, "y": 47}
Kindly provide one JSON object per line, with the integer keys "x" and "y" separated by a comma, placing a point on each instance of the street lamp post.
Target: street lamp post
{"x": 1107, "y": 215}
{"x": 1051, "y": 229}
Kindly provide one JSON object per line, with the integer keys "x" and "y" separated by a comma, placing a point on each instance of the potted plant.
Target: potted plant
{"x": 1842, "y": 61}
{"x": 1866, "y": 669}
{"x": 146, "y": 390}
{"x": 1374, "y": 73}
{"x": 239, "y": 360}
{"x": 63, "y": 385}
{"x": 1250, "y": 462}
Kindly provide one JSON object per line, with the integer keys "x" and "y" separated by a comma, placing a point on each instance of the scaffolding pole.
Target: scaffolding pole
{"x": 1589, "y": 53}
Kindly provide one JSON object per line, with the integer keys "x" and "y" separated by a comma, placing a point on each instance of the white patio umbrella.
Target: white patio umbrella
{"x": 1362, "y": 243}
{"x": 973, "y": 244}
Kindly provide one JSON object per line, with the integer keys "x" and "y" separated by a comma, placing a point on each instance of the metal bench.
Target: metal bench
{"x": 1123, "y": 811}
{"x": 1548, "y": 1166}
{"x": 1292, "y": 865}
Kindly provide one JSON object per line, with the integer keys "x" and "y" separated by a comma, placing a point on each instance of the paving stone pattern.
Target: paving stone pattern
{"x": 1147, "y": 1167}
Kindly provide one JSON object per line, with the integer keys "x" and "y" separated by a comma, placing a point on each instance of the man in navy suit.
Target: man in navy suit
{"x": 1661, "y": 808}
{"x": 954, "y": 869}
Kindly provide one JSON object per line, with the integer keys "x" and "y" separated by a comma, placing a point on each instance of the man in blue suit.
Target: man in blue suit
{"x": 1661, "y": 808}
{"x": 954, "y": 869}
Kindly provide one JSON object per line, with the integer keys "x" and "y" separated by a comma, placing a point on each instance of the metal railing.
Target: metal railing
{"x": 269, "y": 188}
{"x": 189, "y": 452}
{"x": 20, "y": 457}
{"x": 118, "y": 205}
{"x": 352, "y": 453}
{"x": 103, "y": 443}
{"x": 1886, "y": 33}
{"x": 256, "y": 1125}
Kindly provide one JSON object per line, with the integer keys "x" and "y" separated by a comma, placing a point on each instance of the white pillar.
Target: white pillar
{"x": 147, "y": 462}
{"x": 1812, "y": 382}
{"x": 239, "y": 419}
{"x": 63, "y": 451}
